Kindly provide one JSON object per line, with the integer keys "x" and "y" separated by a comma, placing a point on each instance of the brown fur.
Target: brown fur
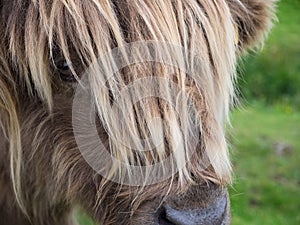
{"x": 43, "y": 176}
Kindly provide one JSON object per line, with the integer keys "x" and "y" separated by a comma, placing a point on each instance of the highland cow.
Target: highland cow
{"x": 119, "y": 107}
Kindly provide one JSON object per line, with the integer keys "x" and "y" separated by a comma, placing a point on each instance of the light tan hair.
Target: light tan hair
{"x": 205, "y": 31}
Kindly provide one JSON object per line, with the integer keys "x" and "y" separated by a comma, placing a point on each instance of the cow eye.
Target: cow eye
{"x": 64, "y": 71}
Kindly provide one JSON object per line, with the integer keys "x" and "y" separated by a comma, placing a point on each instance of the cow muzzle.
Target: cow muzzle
{"x": 216, "y": 213}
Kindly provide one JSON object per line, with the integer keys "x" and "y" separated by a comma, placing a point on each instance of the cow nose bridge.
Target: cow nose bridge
{"x": 216, "y": 213}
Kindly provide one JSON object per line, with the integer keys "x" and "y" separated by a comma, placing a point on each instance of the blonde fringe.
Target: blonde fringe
{"x": 9, "y": 122}
{"x": 93, "y": 28}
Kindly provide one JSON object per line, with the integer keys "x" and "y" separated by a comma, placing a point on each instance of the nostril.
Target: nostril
{"x": 215, "y": 214}
{"x": 162, "y": 218}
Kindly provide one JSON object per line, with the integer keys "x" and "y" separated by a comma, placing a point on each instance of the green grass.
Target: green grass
{"x": 83, "y": 219}
{"x": 274, "y": 74}
{"x": 267, "y": 185}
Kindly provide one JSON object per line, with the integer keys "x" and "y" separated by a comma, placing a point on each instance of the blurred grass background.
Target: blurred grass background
{"x": 266, "y": 130}
{"x": 265, "y": 137}
{"x": 273, "y": 75}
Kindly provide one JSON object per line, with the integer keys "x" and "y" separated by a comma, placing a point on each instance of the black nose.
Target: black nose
{"x": 215, "y": 214}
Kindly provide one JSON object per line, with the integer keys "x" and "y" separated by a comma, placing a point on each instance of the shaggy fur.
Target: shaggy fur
{"x": 43, "y": 175}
